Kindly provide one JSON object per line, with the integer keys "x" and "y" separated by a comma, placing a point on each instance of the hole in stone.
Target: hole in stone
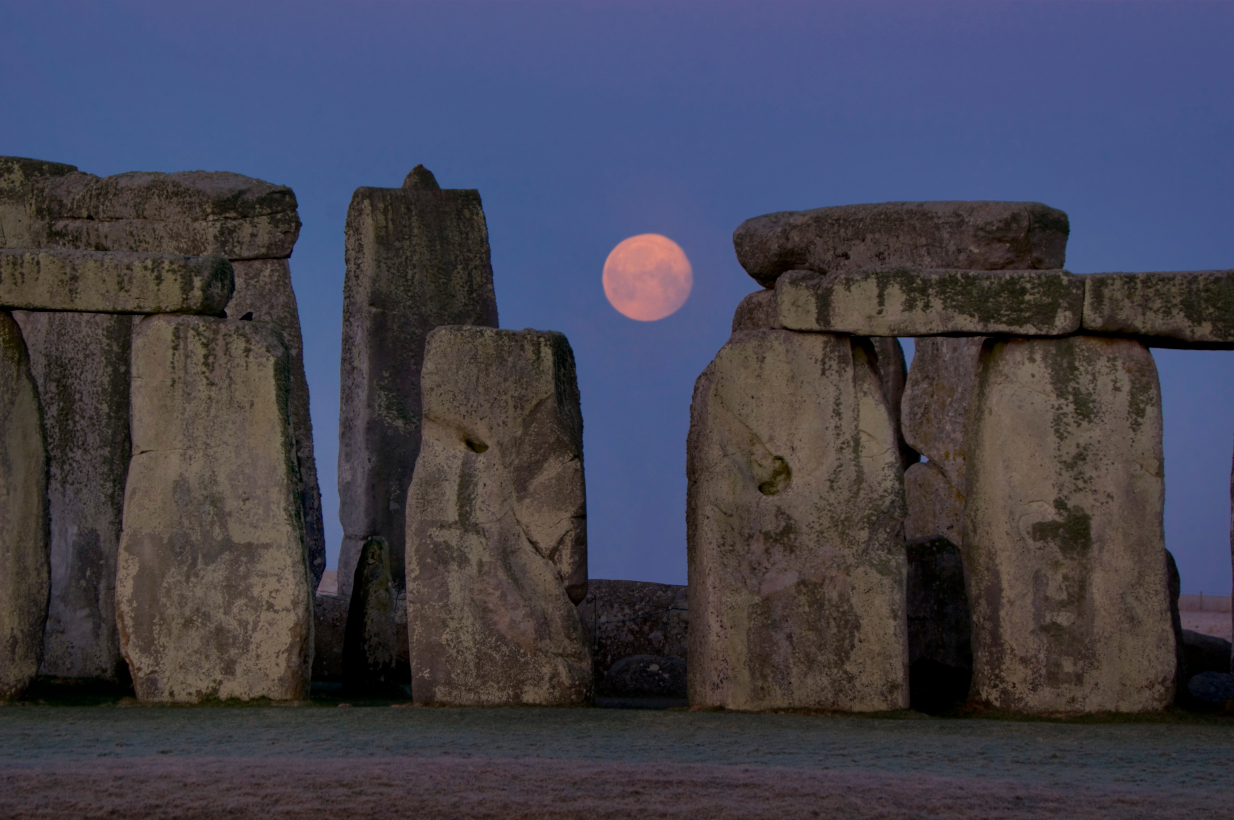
{"x": 475, "y": 446}
{"x": 779, "y": 479}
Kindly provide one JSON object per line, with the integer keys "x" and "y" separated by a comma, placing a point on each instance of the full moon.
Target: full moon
{"x": 647, "y": 277}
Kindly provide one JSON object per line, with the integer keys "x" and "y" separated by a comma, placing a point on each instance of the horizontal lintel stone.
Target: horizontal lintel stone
{"x": 1166, "y": 309}
{"x": 112, "y": 282}
{"x": 914, "y": 302}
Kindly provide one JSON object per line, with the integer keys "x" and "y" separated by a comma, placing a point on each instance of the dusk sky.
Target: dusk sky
{"x": 582, "y": 124}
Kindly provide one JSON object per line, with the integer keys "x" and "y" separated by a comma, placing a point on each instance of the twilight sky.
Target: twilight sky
{"x": 582, "y": 124}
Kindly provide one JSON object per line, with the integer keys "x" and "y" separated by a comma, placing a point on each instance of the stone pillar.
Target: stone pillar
{"x": 794, "y": 534}
{"x": 417, "y": 258}
{"x": 1064, "y": 542}
{"x": 213, "y": 593}
{"x": 24, "y": 571}
{"x": 497, "y": 523}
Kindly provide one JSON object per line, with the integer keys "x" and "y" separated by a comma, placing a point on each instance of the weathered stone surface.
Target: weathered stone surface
{"x": 213, "y": 594}
{"x": 644, "y": 676}
{"x": 1215, "y": 689}
{"x": 329, "y": 627}
{"x": 263, "y": 288}
{"x": 940, "y": 653}
{"x": 916, "y": 302}
{"x": 1064, "y": 543}
{"x": 892, "y": 373}
{"x": 935, "y": 505}
{"x": 793, "y": 522}
{"x": 1180, "y": 309}
{"x": 496, "y": 523}
{"x": 24, "y": 570}
{"x": 80, "y": 362}
{"x": 970, "y": 235}
{"x": 624, "y": 619}
{"x": 757, "y": 311}
{"x": 95, "y": 282}
{"x": 19, "y": 179}
{"x": 370, "y": 643}
{"x": 417, "y": 258}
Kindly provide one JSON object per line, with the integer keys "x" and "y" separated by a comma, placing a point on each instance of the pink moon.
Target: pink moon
{"x": 647, "y": 277}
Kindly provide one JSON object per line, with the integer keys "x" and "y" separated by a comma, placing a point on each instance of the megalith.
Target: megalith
{"x": 417, "y": 258}
{"x": 24, "y": 570}
{"x": 794, "y": 529}
{"x": 497, "y": 523}
{"x": 940, "y": 653}
{"x": 639, "y": 635}
{"x": 370, "y": 641}
{"x": 1064, "y": 544}
{"x": 213, "y": 591}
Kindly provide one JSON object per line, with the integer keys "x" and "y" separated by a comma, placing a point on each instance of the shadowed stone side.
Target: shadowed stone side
{"x": 212, "y": 585}
{"x": 417, "y": 258}
{"x": 24, "y": 569}
{"x": 1063, "y": 539}
{"x": 794, "y": 535}
{"x": 914, "y": 302}
{"x": 940, "y": 651}
{"x": 80, "y": 362}
{"x": 1183, "y": 309}
{"x": 496, "y": 523}
{"x": 370, "y": 641}
{"x": 757, "y": 311}
{"x": 970, "y": 235}
{"x": 627, "y": 619}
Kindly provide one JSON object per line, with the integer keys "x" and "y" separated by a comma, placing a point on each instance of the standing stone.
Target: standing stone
{"x": 940, "y": 652}
{"x": 213, "y": 592}
{"x": 417, "y": 258}
{"x": 80, "y": 362}
{"x": 793, "y": 522}
{"x": 641, "y": 620}
{"x": 24, "y": 571}
{"x": 497, "y": 523}
{"x": 370, "y": 641}
{"x": 1064, "y": 541}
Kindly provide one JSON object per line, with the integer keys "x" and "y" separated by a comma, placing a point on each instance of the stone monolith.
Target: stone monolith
{"x": 794, "y": 529}
{"x": 642, "y": 620}
{"x": 497, "y": 523}
{"x": 213, "y": 593}
{"x": 1064, "y": 544}
{"x": 417, "y": 258}
{"x": 370, "y": 641}
{"x": 24, "y": 570}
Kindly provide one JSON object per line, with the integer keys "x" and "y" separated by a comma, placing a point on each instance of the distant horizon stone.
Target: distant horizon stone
{"x": 496, "y": 523}
{"x": 973, "y": 235}
{"x": 213, "y": 594}
{"x": 793, "y": 523}
{"x": 417, "y": 258}
{"x": 1064, "y": 542}
{"x": 114, "y": 282}
{"x": 1166, "y": 309}
{"x": 624, "y": 619}
{"x": 932, "y": 302}
{"x": 25, "y": 573}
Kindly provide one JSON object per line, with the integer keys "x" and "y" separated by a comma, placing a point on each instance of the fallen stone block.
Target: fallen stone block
{"x": 98, "y": 282}
{"x": 497, "y": 523}
{"x": 1064, "y": 541}
{"x": 793, "y": 524}
{"x": 24, "y": 569}
{"x": 213, "y": 597}
{"x": 969, "y": 235}
{"x": 625, "y": 619}
{"x": 913, "y": 302}
{"x": 1183, "y": 309}
{"x": 940, "y": 653}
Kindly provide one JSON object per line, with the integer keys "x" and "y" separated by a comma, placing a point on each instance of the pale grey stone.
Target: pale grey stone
{"x": 417, "y": 258}
{"x": 919, "y": 302}
{"x": 1064, "y": 542}
{"x": 1179, "y": 309}
{"x": 497, "y": 523}
{"x": 757, "y": 311}
{"x": 20, "y": 178}
{"x": 24, "y": 569}
{"x": 892, "y": 374}
{"x": 969, "y": 235}
{"x": 213, "y": 594}
{"x": 625, "y": 619}
{"x": 794, "y": 534}
{"x": 80, "y": 362}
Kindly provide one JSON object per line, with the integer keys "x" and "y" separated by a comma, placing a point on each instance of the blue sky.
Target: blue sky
{"x": 584, "y": 123}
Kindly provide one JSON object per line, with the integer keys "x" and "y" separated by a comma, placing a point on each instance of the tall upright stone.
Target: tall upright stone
{"x": 213, "y": 594}
{"x": 497, "y": 523}
{"x": 80, "y": 362}
{"x": 1064, "y": 543}
{"x": 24, "y": 570}
{"x": 417, "y": 258}
{"x": 794, "y": 534}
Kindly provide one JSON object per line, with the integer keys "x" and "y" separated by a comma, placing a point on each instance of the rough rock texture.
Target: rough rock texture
{"x": 496, "y": 523}
{"x": 642, "y": 676}
{"x": 1181, "y": 309}
{"x": 417, "y": 258}
{"x": 892, "y": 374}
{"x": 213, "y": 593}
{"x": 916, "y": 302}
{"x": 1064, "y": 543}
{"x": 370, "y": 645}
{"x": 96, "y": 282}
{"x": 24, "y": 570}
{"x": 757, "y": 311}
{"x": 940, "y": 652}
{"x": 20, "y": 179}
{"x": 329, "y": 627}
{"x": 793, "y": 523}
{"x": 80, "y": 362}
{"x": 970, "y": 235}
{"x": 624, "y": 619}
